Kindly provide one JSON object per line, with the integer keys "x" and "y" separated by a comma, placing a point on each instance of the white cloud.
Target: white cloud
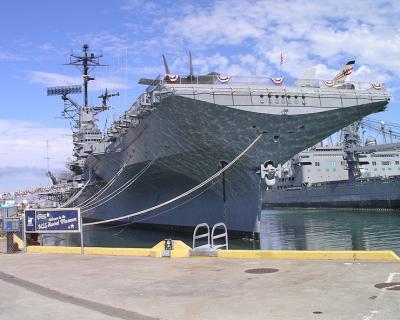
{"x": 23, "y": 152}
{"x": 58, "y": 79}
{"x": 23, "y": 144}
{"x": 11, "y": 56}
{"x": 310, "y": 33}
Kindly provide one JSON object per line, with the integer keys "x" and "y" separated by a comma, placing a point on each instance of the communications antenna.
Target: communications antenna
{"x": 86, "y": 134}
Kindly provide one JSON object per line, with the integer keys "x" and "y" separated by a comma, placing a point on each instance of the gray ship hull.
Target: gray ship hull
{"x": 361, "y": 194}
{"x": 187, "y": 139}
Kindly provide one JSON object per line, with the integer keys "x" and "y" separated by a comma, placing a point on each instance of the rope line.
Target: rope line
{"x": 205, "y": 182}
{"x": 75, "y": 196}
{"x": 102, "y": 190}
{"x": 116, "y": 192}
{"x": 124, "y": 225}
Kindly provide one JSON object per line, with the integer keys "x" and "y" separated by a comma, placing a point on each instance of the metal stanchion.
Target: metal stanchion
{"x": 24, "y": 232}
{"x": 81, "y": 236}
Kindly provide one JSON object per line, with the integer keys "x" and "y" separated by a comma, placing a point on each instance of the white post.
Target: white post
{"x": 81, "y": 236}
{"x": 24, "y": 232}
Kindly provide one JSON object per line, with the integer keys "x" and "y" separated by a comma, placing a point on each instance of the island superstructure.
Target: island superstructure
{"x": 183, "y": 129}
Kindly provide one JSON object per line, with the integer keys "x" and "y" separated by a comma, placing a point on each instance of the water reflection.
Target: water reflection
{"x": 330, "y": 229}
{"x": 285, "y": 229}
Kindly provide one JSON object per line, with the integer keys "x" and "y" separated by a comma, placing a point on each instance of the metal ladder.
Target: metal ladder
{"x": 210, "y": 246}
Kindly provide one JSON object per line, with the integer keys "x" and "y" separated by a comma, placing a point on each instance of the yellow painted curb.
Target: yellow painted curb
{"x": 180, "y": 250}
{"x": 136, "y": 252}
{"x": 386, "y": 255}
{"x": 48, "y": 249}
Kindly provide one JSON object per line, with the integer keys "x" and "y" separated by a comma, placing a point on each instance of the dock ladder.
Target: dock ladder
{"x": 201, "y": 236}
{"x": 209, "y": 249}
{"x": 219, "y": 236}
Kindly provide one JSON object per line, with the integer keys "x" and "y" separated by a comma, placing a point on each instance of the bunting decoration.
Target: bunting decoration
{"x": 329, "y": 83}
{"x": 277, "y": 81}
{"x": 348, "y": 70}
{"x": 223, "y": 79}
{"x": 377, "y": 86}
{"x": 171, "y": 77}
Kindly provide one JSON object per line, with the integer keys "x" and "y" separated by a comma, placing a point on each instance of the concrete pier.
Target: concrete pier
{"x": 54, "y": 286}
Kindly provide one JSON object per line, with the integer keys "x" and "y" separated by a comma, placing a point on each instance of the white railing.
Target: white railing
{"x": 261, "y": 80}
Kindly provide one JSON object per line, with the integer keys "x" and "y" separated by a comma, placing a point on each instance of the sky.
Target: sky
{"x": 231, "y": 37}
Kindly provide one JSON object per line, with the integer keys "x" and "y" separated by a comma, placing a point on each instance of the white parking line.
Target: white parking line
{"x": 371, "y": 315}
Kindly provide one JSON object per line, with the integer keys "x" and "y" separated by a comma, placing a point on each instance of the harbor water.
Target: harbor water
{"x": 281, "y": 229}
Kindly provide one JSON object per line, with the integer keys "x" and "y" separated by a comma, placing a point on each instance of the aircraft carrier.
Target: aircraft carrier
{"x": 184, "y": 129}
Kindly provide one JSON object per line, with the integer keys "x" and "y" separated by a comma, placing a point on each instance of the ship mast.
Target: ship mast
{"x": 86, "y": 134}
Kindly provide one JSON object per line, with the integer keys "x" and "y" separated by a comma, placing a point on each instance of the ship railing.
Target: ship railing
{"x": 263, "y": 80}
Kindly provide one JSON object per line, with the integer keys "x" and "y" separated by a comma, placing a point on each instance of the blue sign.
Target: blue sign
{"x": 52, "y": 220}
{"x": 11, "y": 224}
{"x": 30, "y": 225}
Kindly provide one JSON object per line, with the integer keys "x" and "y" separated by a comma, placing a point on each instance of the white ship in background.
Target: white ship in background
{"x": 351, "y": 174}
{"x": 183, "y": 129}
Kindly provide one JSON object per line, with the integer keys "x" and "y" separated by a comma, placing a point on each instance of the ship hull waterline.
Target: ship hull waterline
{"x": 373, "y": 194}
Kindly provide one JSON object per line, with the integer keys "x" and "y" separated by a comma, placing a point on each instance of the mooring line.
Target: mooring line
{"x": 104, "y": 189}
{"x": 116, "y": 192}
{"x": 205, "y": 182}
{"x": 75, "y": 196}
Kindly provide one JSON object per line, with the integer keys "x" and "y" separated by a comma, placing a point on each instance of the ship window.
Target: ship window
{"x": 317, "y": 164}
{"x": 374, "y": 163}
{"x": 397, "y": 162}
{"x": 386, "y": 163}
{"x": 331, "y": 163}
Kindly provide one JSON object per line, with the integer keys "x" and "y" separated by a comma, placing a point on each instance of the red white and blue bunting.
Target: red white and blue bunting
{"x": 329, "y": 83}
{"x": 377, "y": 86}
{"x": 223, "y": 79}
{"x": 348, "y": 70}
{"x": 277, "y": 81}
{"x": 171, "y": 77}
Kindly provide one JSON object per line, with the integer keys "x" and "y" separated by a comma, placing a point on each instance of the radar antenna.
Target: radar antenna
{"x": 86, "y": 134}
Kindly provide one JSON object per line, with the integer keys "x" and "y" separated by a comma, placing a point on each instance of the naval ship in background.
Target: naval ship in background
{"x": 184, "y": 129}
{"x": 351, "y": 174}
